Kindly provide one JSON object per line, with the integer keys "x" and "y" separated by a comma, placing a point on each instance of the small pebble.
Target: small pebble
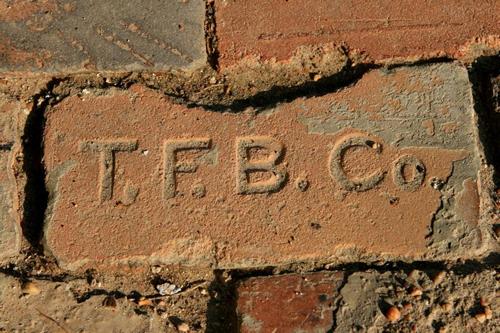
{"x": 393, "y": 314}
{"x": 30, "y": 288}
{"x": 168, "y": 289}
{"x": 301, "y": 184}
{"x": 145, "y": 302}
{"x": 416, "y": 292}
{"x": 183, "y": 327}
{"x": 480, "y": 317}
{"x": 488, "y": 312}
{"x": 414, "y": 274}
{"x": 439, "y": 277}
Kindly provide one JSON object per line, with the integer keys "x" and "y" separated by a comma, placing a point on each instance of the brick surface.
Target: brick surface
{"x": 9, "y": 144}
{"x": 288, "y": 303}
{"x": 322, "y": 178}
{"x": 56, "y": 35}
{"x": 382, "y": 29}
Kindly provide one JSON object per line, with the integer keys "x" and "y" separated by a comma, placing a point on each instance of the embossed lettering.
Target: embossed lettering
{"x": 336, "y": 169}
{"x": 415, "y": 166}
{"x": 107, "y": 150}
{"x": 172, "y": 166}
{"x": 244, "y": 165}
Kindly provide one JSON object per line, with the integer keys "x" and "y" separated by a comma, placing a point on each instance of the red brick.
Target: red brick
{"x": 381, "y": 29}
{"x": 288, "y": 303}
{"x": 363, "y": 170}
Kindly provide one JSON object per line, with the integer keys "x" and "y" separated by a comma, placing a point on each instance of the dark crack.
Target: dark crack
{"x": 36, "y": 195}
{"x": 211, "y": 35}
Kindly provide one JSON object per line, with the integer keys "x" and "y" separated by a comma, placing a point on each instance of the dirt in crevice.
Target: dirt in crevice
{"x": 208, "y": 303}
{"x": 211, "y": 35}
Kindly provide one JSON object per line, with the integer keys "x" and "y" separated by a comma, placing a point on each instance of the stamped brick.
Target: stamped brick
{"x": 9, "y": 144}
{"x": 288, "y": 303}
{"x": 378, "y": 168}
{"x": 57, "y": 35}
{"x": 381, "y": 29}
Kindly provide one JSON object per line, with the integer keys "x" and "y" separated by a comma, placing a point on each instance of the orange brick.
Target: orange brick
{"x": 367, "y": 169}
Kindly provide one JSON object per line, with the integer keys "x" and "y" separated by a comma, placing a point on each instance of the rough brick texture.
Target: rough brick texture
{"x": 273, "y": 187}
{"x": 382, "y": 29}
{"x": 306, "y": 301}
{"x": 59, "y": 36}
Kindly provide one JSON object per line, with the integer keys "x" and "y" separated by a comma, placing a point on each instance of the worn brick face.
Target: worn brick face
{"x": 381, "y": 29}
{"x": 56, "y": 36}
{"x": 288, "y": 303}
{"x": 9, "y": 145}
{"x": 141, "y": 177}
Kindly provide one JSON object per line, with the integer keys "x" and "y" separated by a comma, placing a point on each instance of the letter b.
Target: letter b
{"x": 244, "y": 165}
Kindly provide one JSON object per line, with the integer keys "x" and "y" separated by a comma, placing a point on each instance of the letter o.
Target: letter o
{"x": 418, "y": 173}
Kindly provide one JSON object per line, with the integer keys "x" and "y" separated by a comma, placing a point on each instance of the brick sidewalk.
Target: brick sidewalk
{"x": 231, "y": 166}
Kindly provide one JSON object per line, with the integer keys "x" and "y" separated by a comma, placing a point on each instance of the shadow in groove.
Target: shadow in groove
{"x": 36, "y": 195}
{"x": 221, "y": 310}
{"x": 485, "y": 78}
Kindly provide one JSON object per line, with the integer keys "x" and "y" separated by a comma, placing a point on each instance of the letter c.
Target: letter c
{"x": 337, "y": 172}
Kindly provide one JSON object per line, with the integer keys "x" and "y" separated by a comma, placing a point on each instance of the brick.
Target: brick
{"x": 10, "y": 145}
{"x": 60, "y": 36}
{"x": 387, "y": 167}
{"x": 288, "y": 303}
{"x": 380, "y": 29}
